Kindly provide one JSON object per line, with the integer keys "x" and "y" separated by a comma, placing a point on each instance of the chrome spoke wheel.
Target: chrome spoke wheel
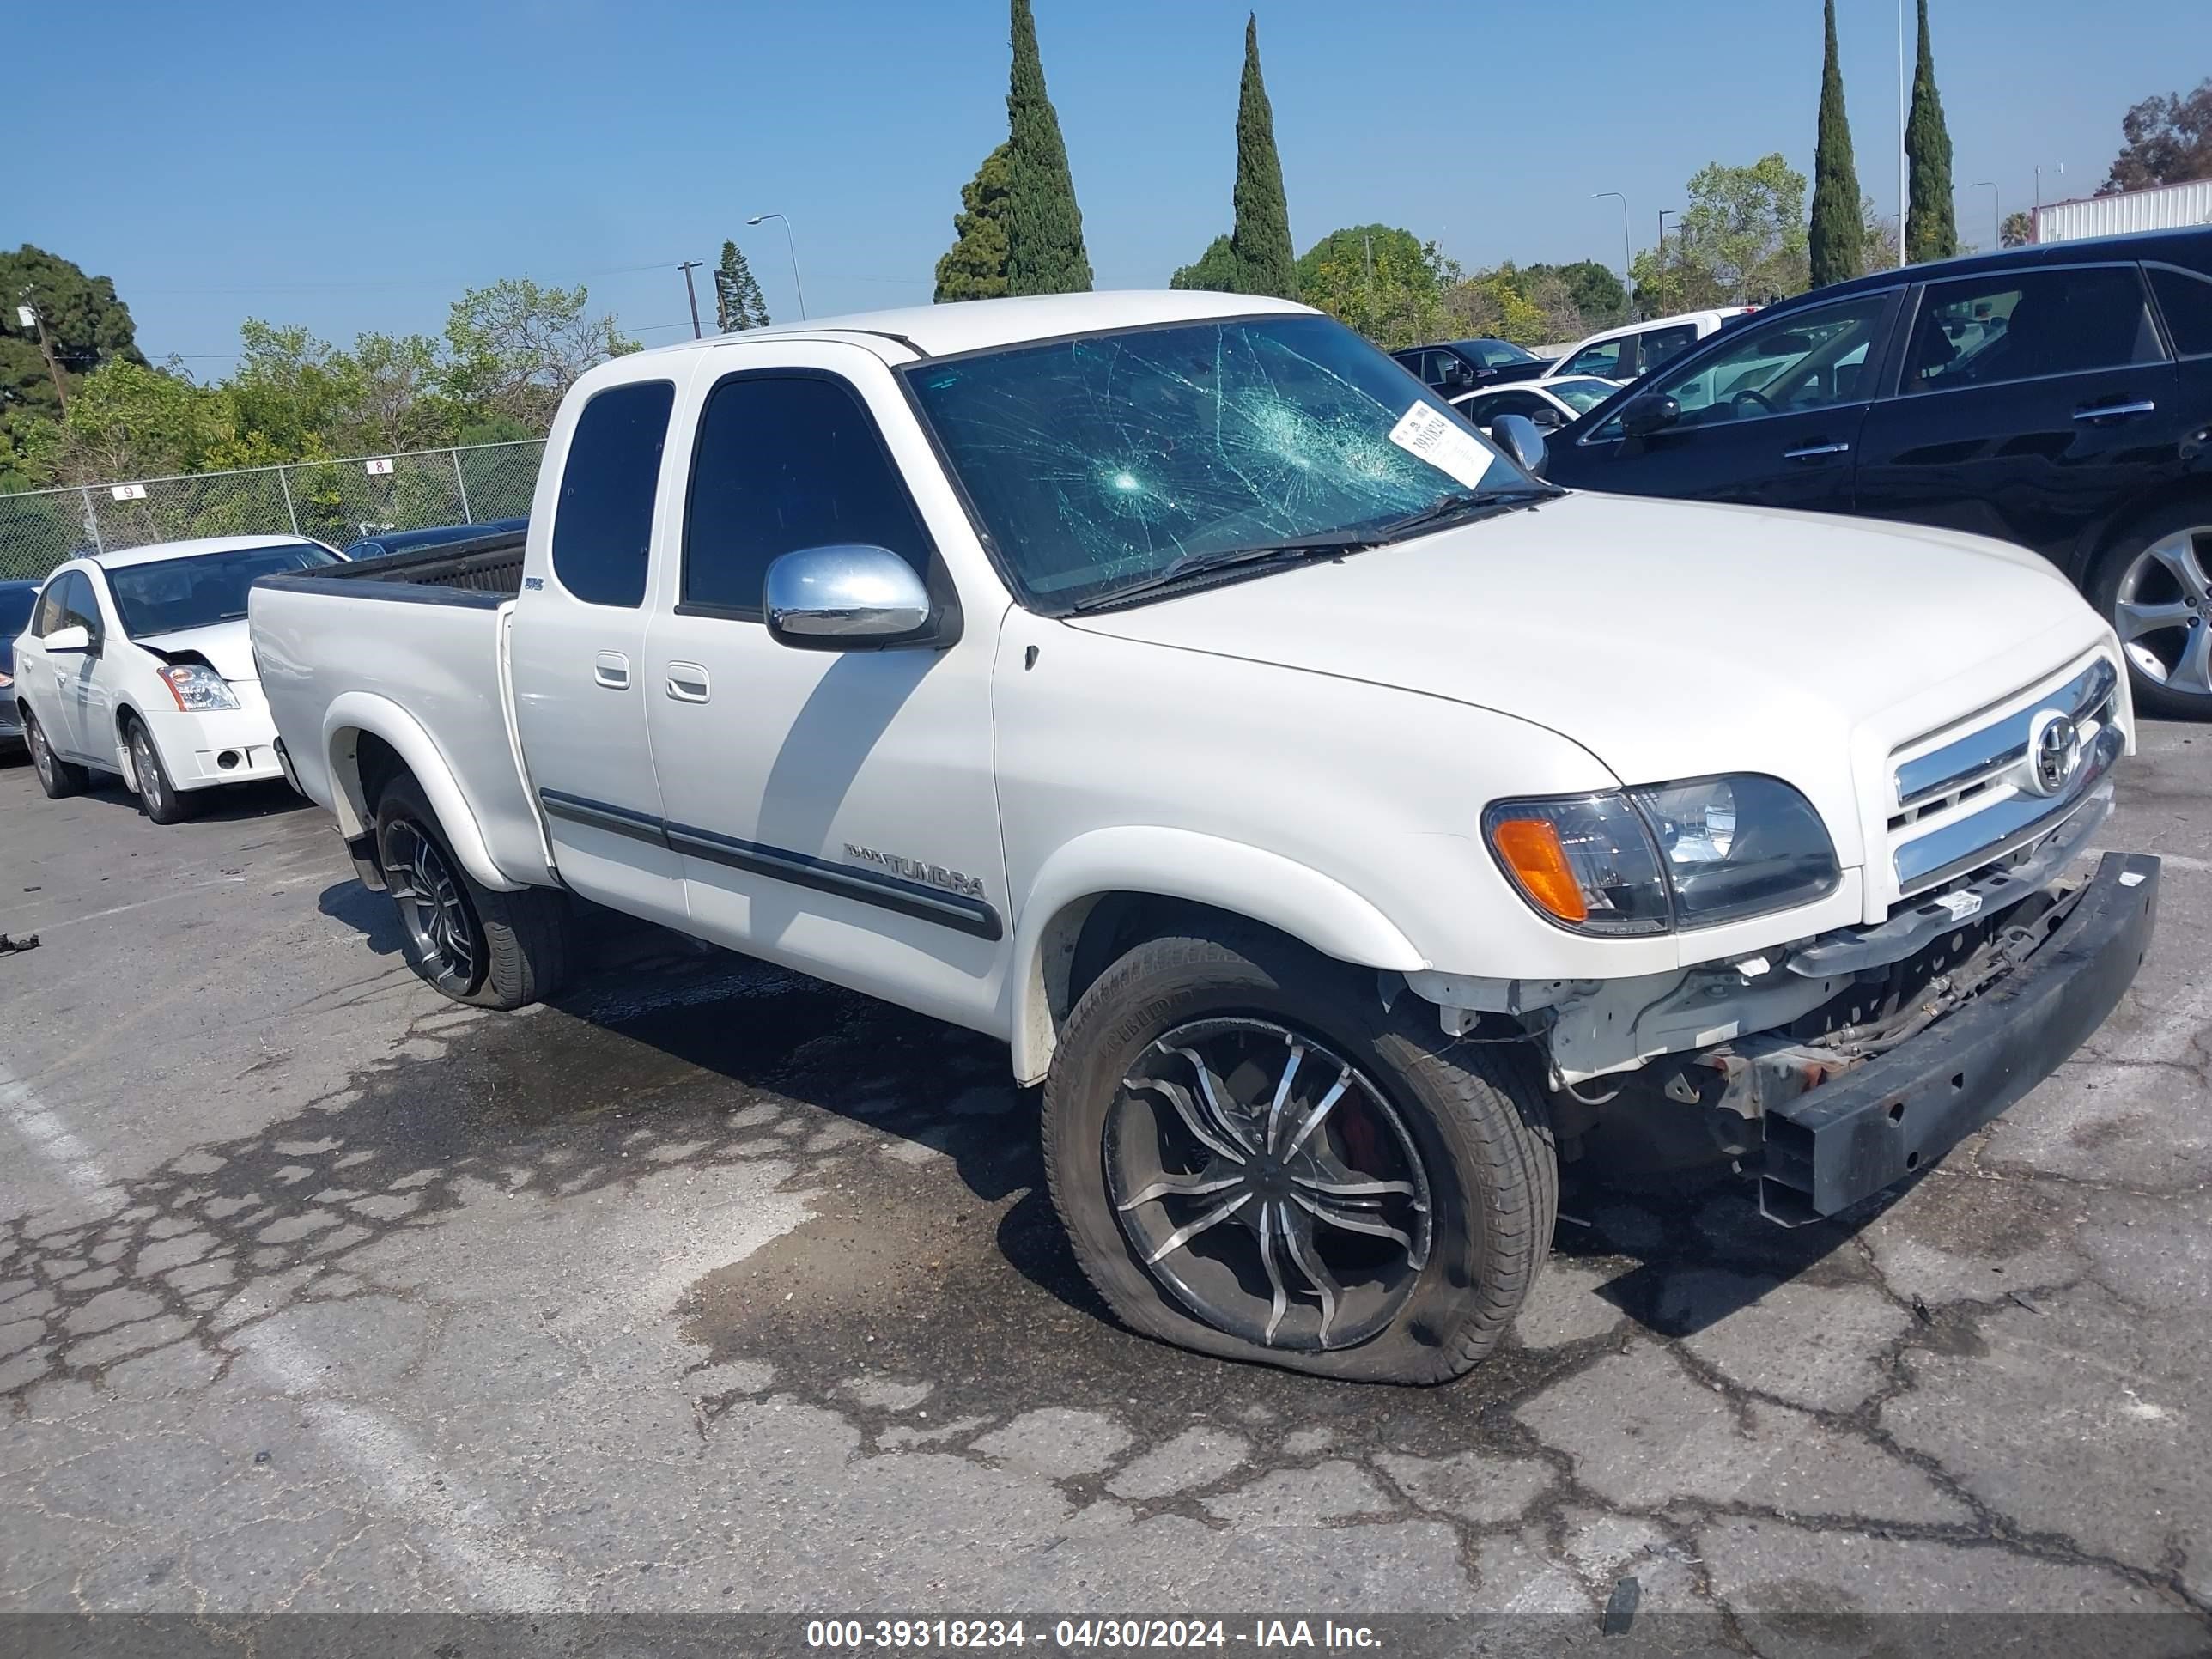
{"x": 41, "y": 756}
{"x": 2163, "y": 611}
{"x": 431, "y": 907}
{"x": 1267, "y": 1184}
{"x": 146, "y": 774}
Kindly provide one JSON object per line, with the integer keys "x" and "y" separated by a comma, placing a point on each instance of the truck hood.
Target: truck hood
{"x": 227, "y": 647}
{"x": 1670, "y": 639}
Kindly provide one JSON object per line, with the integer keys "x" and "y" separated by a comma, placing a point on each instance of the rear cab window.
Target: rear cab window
{"x": 1661, "y": 344}
{"x": 603, "y": 517}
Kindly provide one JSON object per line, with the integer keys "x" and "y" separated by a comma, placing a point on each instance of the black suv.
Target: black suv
{"x": 1462, "y": 365}
{"x": 2059, "y": 397}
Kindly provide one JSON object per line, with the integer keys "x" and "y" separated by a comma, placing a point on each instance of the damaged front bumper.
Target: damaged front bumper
{"x": 1883, "y": 1117}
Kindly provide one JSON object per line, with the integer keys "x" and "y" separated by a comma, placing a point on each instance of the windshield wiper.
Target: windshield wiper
{"x": 1458, "y": 504}
{"x": 1291, "y": 551}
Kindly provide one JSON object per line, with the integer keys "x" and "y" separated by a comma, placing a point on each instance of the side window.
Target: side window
{"x": 1661, "y": 344}
{"x": 77, "y": 607}
{"x": 2186, "y": 299}
{"x": 1807, "y": 360}
{"x": 50, "y": 607}
{"x": 1602, "y": 360}
{"x": 2024, "y": 326}
{"x": 603, "y": 521}
{"x": 782, "y": 463}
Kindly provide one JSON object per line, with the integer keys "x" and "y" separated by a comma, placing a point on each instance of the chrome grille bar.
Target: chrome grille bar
{"x": 1968, "y": 759}
{"x": 1969, "y": 843}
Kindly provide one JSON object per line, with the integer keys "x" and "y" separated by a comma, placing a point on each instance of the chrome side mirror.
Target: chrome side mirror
{"x": 1516, "y": 434}
{"x": 844, "y": 598}
{"x": 75, "y": 640}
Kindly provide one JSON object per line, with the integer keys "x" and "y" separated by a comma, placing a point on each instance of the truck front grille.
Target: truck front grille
{"x": 1970, "y": 793}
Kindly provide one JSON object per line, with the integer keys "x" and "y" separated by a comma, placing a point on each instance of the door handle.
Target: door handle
{"x": 1814, "y": 452}
{"x": 2116, "y": 411}
{"x": 611, "y": 670}
{"x": 687, "y": 681}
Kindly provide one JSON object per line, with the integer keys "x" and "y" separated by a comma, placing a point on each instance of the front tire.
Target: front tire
{"x": 157, "y": 796}
{"x": 2155, "y": 587}
{"x": 60, "y": 779}
{"x": 487, "y": 949}
{"x": 1255, "y": 1159}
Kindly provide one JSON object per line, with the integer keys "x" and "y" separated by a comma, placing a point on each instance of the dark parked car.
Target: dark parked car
{"x": 15, "y": 601}
{"x": 2059, "y": 397}
{"x": 414, "y": 541}
{"x": 1454, "y": 366}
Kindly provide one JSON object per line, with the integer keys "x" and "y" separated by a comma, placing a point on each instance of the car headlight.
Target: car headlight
{"x": 1665, "y": 856}
{"x": 198, "y": 689}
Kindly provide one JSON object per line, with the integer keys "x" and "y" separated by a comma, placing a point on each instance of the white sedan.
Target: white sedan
{"x": 1551, "y": 402}
{"x": 138, "y": 662}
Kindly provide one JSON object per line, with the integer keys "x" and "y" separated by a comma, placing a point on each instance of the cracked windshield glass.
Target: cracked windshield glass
{"x": 1096, "y": 463}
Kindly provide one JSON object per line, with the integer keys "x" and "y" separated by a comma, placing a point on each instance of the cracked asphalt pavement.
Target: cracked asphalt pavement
{"x": 715, "y": 1289}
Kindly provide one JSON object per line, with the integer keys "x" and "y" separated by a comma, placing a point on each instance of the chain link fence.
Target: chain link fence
{"x": 334, "y": 502}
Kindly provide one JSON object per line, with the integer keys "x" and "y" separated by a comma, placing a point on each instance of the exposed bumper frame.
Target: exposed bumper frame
{"x": 1833, "y": 1145}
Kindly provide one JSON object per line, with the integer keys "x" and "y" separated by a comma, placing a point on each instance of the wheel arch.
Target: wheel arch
{"x": 1115, "y": 887}
{"x": 2090, "y": 556}
{"x": 367, "y": 739}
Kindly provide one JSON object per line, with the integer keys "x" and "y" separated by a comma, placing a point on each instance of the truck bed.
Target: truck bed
{"x": 424, "y": 631}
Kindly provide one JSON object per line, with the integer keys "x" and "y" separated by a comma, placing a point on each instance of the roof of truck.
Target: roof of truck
{"x": 980, "y": 324}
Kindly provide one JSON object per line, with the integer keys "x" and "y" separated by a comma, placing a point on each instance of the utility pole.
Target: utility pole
{"x": 1626, "y": 258}
{"x": 28, "y": 315}
{"x": 1661, "y": 283}
{"x": 1367, "y": 261}
{"x": 691, "y": 293}
{"x": 1902, "y": 109}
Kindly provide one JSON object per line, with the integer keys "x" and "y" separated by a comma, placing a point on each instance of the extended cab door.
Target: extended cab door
{"x": 576, "y": 644}
{"x": 2030, "y": 401}
{"x": 835, "y": 810}
{"x": 1769, "y": 413}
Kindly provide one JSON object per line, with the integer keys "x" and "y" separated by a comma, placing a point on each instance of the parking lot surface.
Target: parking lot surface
{"x": 715, "y": 1289}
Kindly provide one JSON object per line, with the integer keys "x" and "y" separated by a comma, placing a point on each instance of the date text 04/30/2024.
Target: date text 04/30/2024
{"x": 928, "y": 1634}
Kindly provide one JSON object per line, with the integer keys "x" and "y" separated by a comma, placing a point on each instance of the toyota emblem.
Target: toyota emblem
{"x": 2054, "y": 750}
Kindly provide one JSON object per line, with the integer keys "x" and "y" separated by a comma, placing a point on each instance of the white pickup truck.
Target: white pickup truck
{"x": 1338, "y": 821}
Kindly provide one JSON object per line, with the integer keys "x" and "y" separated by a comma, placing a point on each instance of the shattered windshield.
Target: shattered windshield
{"x": 1097, "y": 462}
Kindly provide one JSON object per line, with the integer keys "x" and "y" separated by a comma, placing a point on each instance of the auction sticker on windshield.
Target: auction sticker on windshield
{"x": 1442, "y": 443}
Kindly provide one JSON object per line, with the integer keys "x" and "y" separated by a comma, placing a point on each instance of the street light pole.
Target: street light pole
{"x": 1661, "y": 284}
{"x": 1625, "y": 261}
{"x": 2033, "y": 229}
{"x": 1997, "y": 206}
{"x": 1902, "y": 187}
{"x": 691, "y": 293}
{"x": 31, "y": 315}
{"x": 792, "y": 246}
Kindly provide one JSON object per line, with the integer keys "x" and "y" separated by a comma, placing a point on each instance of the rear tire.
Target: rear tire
{"x": 60, "y": 779}
{"x": 157, "y": 796}
{"x": 2155, "y": 587}
{"x": 487, "y": 949}
{"x": 1395, "y": 1244}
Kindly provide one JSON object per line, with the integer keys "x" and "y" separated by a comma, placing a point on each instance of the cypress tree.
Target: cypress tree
{"x": 1266, "y": 263}
{"x": 1044, "y": 228}
{"x": 974, "y": 266}
{"x": 738, "y": 302}
{"x": 1931, "y": 228}
{"x": 1836, "y": 236}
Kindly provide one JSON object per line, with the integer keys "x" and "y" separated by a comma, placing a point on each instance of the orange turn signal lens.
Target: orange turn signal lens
{"x": 1530, "y": 848}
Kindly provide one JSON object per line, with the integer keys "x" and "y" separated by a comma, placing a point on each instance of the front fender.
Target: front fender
{"x": 1181, "y": 864}
{"x": 351, "y": 713}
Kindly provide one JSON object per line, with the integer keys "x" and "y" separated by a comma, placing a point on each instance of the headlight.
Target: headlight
{"x": 1669, "y": 855}
{"x": 198, "y": 689}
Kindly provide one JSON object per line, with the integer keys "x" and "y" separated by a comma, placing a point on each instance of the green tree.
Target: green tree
{"x": 128, "y": 421}
{"x": 515, "y": 348}
{"x": 1266, "y": 261}
{"x": 974, "y": 266}
{"x": 1044, "y": 226}
{"x": 2017, "y": 231}
{"x": 738, "y": 302}
{"x": 85, "y": 328}
{"x": 1834, "y": 244}
{"x": 2168, "y": 142}
{"x": 1931, "y": 226}
{"x": 1379, "y": 279}
{"x": 1217, "y": 269}
{"x": 1742, "y": 239}
{"x": 1593, "y": 290}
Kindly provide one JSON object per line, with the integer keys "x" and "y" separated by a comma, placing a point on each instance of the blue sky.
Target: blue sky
{"x": 353, "y": 168}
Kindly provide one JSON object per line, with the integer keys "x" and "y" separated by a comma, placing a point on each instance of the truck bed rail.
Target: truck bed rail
{"x": 482, "y": 572}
